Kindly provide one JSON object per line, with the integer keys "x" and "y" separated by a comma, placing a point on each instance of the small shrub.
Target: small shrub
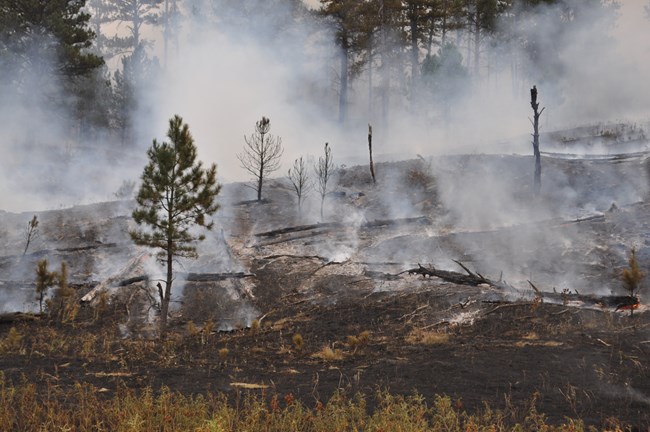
{"x": 356, "y": 342}
{"x": 353, "y": 342}
{"x": 298, "y": 341}
{"x": 192, "y": 329}
{"x": 632, "y": 277}
{"x": 101, "y": 307}
{"x": 255, "y": 327}
{"x": 223, "y": 354}
{"x": 364, "y": 337}
{"x": 44, "y": 280}
{"x": 12, "y": 342}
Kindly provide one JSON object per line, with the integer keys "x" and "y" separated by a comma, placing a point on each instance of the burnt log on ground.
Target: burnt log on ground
{"x": 616, "y": 302}
{"x": 14, "y": 317}
{"x": 380, "y": 275}
{"x": 213, "y": 277}
{"x": 327, "y": 227}
{"x": 190, "y": 277}
{"x": 471, "y": 279}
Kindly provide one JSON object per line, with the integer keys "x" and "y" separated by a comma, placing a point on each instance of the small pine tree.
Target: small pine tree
{"x": 175, "y": 195}
{"x": 632, "y": 276}
{"x": 44, "y": 280}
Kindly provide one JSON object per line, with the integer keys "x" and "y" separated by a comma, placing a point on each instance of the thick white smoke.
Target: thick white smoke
{"x": 223, "y": 77}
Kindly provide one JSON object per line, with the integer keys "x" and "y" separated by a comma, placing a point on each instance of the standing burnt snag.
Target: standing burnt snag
{"x": 30, "y": 233}
{"x": 537, "y": 180}
{"x": 324, "y": 170}
{"x": 300, "y": 181}
{"x": 372, "y": 166}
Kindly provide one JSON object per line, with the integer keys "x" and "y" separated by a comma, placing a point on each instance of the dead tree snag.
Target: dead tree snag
{"x": 537, "y": 180}
{"x": 372, "y": 166}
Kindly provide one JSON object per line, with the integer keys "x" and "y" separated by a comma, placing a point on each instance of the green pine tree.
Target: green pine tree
{"x": 44, "y": 280}
{"x": 176, "y": 194}
{"x": 31, "y": 30}
{"x": 632, "y": 276}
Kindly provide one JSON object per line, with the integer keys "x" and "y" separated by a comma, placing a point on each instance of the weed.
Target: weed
{"x": 223, "y": 354}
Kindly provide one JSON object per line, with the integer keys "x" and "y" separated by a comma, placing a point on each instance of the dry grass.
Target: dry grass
{"x": 87, "y": 408}
{"x": 426, "y": 337}
{"x": 327, "y": 353}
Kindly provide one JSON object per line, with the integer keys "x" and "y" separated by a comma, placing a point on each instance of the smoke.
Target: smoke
{"x": 271, "y": 59}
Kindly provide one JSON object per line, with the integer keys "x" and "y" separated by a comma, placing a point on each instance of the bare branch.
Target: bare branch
{"x": 262, "y": 154}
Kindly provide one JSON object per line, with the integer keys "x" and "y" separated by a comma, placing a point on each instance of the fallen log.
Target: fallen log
{"x": 327, "y": 226}
{"x": 380, "y": 275}
{"x": 616, "y": 302}
{"x": 296, "y": 237}
{"x": 13, "y": 317}
{"x": 471, "y": 279}
{"x": 214, "y": 277}
{"x": 299, "y": 228}
{"x": 132, "y": 280}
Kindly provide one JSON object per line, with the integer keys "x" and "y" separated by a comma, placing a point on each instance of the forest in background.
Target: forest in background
{"x": 86, "y": 85}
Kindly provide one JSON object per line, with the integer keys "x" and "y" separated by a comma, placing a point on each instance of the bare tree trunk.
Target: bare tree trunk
{"x": 385, "y": 67}
{"x": 370, "y": 110}
{"x": 537, "y": 180}
{"x": 372, "y": 166}
{"x": 414, "y": 56}
{"x": 260, "y": 180}
{"x": 343, "y": 95}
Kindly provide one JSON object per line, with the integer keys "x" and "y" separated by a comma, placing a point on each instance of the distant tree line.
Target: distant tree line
{"x": 418, "y": 54}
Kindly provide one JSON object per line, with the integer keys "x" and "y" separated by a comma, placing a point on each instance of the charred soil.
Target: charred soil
{"x": 331, "y": 307}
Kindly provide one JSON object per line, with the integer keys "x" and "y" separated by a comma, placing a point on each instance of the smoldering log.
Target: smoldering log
{"x": 299, "y": 228}
{"x": 380, "y": 275}
{"x": 331, "y": 226}
{"x": 190, "y": 277}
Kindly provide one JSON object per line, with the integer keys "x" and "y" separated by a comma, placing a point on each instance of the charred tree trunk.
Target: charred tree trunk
{"x": 370, "y": 96}
{"x": 537, "y": 179}
{"x": 372, "y": 166}
{"x": 343, "y": 95}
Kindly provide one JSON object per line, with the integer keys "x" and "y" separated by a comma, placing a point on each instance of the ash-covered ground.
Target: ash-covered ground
{"x": 341, "y": 282}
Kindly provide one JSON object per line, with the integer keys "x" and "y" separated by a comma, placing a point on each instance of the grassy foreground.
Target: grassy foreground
{"x": 24, "y": 407}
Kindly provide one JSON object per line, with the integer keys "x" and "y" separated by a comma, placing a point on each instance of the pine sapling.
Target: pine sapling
{"x": 44, "y": 280}
{"x": 632, "y": 277}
